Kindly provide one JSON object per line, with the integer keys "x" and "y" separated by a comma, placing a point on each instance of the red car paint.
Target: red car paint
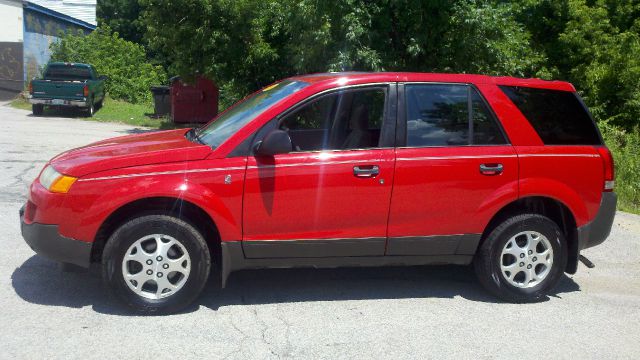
{"x": 315, "y": 195}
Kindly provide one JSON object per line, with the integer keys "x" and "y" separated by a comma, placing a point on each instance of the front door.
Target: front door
{"x": 454, "y": 167}
{"x": 330, "y": 196}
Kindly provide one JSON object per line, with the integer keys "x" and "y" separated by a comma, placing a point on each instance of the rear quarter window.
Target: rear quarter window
{"x": 559, "y": 117}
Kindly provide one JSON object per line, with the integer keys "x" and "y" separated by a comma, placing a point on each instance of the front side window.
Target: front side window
{"x": 448, "y": 115}
{"x": 233, "y": 119}
{"x": 339, "y": 121}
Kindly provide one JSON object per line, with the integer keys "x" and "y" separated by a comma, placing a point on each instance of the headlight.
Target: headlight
{"x": 54, "y": 181}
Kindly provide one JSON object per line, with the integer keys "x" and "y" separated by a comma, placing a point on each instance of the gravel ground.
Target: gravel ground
{"x": 417, "y": 312}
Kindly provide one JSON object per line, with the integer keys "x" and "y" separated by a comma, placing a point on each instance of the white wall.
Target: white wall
{"x": 10, "y": 21}
{"x": 84, "y": 10}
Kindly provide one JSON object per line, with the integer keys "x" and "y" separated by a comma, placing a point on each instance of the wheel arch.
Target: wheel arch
{"x": 180, "y": 208}
{"x": 550, "y": 207}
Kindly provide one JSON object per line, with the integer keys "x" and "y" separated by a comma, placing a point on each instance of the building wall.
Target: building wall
{"x": 40, "y": 31}
{"x": 11, "y": 35}
{"x": 10, "y": 21}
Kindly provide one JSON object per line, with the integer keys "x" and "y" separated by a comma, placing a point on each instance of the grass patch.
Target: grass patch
{"x": 625, "y": 147}
{"x": 21, "y": 103}
{"x": 127, "y": 113}
{"x": 112, "y": 111}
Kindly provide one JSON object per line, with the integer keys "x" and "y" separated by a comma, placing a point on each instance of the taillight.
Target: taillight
{"x": 30, "y": 88}
{"x": 85, "y": 91}
{"x": 609, "y": 172}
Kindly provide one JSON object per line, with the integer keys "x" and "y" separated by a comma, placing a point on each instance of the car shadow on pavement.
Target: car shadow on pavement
{"x": 72, "y": 113}
{"x": 41, "y": 281}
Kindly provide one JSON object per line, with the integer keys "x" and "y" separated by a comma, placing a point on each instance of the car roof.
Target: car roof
{"x": 364, "y": 77}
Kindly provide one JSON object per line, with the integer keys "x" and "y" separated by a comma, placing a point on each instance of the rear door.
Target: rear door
{"x": 330, "y": 196}
{"x": 454, "y": 166}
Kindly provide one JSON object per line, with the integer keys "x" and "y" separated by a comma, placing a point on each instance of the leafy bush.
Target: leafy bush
{"x": 125, "y": 63}
{"x": 625, "y": 146}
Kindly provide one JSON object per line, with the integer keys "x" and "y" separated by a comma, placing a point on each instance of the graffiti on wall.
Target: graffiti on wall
{"x": 10, "y": 69}
{"x": 36, "y": 53}
{"x": 40, "y": 31}
{"x": 10, "y": 60}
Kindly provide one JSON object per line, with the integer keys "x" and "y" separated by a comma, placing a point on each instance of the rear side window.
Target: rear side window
{"x": 558, "y": 116}
{"x": 449, "y": 115}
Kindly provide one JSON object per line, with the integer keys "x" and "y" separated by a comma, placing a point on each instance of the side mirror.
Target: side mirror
{"x": 276, "y": 142}
{"x": 103, "y": 77}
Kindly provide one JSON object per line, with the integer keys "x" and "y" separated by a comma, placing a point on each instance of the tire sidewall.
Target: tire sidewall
{"x": 136, "y": 229}
{"x": 550, "y": 230}
{"x": 91, "y": 109}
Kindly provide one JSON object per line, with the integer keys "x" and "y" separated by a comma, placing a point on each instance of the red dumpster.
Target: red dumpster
{"x": 197, "y": 103}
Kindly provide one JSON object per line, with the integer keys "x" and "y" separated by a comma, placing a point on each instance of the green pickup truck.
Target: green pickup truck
{"x": 67, "y": 85}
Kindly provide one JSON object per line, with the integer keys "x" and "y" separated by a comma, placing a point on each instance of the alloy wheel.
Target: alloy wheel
{"x": 526, "y": 259}
{"x": 156, "y": 266}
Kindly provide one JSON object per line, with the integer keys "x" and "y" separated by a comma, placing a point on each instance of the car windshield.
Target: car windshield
{"x": 232, "y": 120}
{"x": 67, "y": 72}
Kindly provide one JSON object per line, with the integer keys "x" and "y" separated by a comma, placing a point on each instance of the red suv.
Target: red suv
{"x": 340, "y": 169}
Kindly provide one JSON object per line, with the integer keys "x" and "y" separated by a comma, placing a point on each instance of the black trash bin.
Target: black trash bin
{"x": 161, "y": 100}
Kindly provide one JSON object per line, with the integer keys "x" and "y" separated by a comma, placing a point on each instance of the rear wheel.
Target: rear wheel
{"x": 37, "y": 109}
{"x": 522, "y": 259}
{"x": 90, "y": 110}
{"x": 156, "y": 264}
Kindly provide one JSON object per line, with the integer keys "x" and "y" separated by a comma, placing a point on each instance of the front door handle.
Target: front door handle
{"x": 366, "y": 171}
{"x": 491, "y": 169}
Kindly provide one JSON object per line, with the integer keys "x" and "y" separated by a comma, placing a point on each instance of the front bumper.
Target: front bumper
{"x": 595, "y": 232}
{"x": 75, "y": 103}
{"x": 47, "y": 241}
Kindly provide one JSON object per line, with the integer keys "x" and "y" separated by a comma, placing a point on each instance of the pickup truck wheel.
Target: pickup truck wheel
{"x": 156, "y": 264}
{"x": 91, "y": 109}
{"x": 37, "y": 109}
{"x": 522, "y": 259}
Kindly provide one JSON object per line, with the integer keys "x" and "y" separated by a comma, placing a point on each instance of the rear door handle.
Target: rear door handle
{"x": 366, "y": 171}
{"x": 491, "y": 169}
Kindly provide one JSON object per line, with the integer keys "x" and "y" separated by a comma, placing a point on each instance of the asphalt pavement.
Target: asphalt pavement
{"x": 390, "y": 313}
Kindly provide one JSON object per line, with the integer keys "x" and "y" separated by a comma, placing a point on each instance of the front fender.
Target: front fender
{"x": 92, "y": 201}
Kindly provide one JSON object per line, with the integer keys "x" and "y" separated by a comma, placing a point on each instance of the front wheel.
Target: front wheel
{"x": 522, "y": 259}
{"x": 156, "y": 264}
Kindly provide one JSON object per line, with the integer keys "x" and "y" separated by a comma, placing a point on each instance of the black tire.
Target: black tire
{"x": 90, "y": 110}
{"x": 488, "y": 258}
{"x": 127, "y": 234}
{"x": 37, "y": 109}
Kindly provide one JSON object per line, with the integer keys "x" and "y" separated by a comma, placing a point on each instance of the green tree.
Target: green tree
{"x": 124, "y": 62}
{"x": 123, "y": 17}
{"x": 245, "y": 44}
{"x": 595, "y": 45}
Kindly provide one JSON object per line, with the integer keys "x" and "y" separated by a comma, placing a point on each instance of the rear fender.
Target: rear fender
{"x": 559, "y": 191}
